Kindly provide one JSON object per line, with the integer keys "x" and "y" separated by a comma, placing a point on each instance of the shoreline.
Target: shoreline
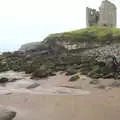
{"x": 56, "y": 98}
{"x": 102, "y": 106}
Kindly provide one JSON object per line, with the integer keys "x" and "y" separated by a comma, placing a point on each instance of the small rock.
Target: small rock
{"x": 101, "y": 87}
{"x": 94, "y": 82}
{"x": 6, "y": 114}
{"x": 13, "y": 80}
{"x": 34, "y": 85}
{"x": 4, "y": 80}
{"x": 115, "y": 84}
{"x": 71, "y": 72}
{"x": 74, "y": 78}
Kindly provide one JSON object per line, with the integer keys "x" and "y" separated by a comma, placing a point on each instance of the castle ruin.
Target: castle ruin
{"x": 106, "y": 16}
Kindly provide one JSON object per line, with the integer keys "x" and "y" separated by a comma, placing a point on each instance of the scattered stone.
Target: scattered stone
{"x": 34, "y": 85}
{"x": 109, "y": 75}
{"x": 101, "y": 87}
{"x": 71, "y": 71}
{"x": 13, "y": 79}
{"x": 41, "y": 72}
{"x": 115, "y": 84}
{"x": 95, "y": 81}
{"x": 6, "y": 114}
{"x": 4, "y": 80}
{"x": 74, "y": 78}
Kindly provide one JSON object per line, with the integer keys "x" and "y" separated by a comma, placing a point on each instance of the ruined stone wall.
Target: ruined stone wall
{"x": 106, "y": 16}
{"x": 92, "y": 17}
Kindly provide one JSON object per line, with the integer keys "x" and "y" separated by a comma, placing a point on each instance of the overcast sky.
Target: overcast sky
{"x": 24, "y": 21}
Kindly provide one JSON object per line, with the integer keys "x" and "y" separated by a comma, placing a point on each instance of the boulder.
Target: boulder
{"x": 6, "y": 114}
{"x": 34, "y": 85}
{"x": 115, "y": 84}
{"x": 74, "y": 78}
{"x": 4, "y": 80}
{"x": 41, "y": 72}
{"x": 94, "y": 82}
{"x": 71, "y": 71}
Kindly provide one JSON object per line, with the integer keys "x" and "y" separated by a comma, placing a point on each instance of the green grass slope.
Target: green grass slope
{"x": 88, "y": 34}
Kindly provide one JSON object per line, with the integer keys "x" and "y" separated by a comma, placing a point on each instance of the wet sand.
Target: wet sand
{"x": 104, "y": 105}
{"x": 58, "y": 99}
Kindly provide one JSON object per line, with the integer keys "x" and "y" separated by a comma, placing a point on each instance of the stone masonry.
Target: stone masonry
{"x": 106, "y": 16}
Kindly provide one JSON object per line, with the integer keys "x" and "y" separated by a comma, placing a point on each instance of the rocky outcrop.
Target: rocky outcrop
{"x": 104, "y": 51}
{"x": 4, "y": 80}
{"x": 29, "y": 46}
{"x": 87, "y": 51}
{"x": 6, "y": 114}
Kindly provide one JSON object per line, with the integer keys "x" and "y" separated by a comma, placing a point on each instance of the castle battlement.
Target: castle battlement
{"x": 106, "y": 16}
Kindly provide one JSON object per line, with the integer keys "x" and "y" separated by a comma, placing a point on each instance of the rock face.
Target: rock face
{"x": 86, "y": 51}
{"x": 103, "y": 51}
{"x": 6, "y": 114}
{"x": 29, "y": 46}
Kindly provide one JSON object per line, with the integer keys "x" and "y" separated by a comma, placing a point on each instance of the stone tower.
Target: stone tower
{"x": 106, "y": 16}
{"x": 92, "y": 17}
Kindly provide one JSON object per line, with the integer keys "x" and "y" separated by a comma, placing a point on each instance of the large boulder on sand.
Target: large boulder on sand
{"x": 6, "y": 114}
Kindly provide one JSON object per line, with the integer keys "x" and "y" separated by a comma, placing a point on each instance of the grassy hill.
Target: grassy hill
{"x": 89, "y": 34}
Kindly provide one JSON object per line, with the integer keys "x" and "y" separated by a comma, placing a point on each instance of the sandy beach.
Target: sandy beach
{"x": 55, "y": 98}
{"x": 101, "y": 106}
